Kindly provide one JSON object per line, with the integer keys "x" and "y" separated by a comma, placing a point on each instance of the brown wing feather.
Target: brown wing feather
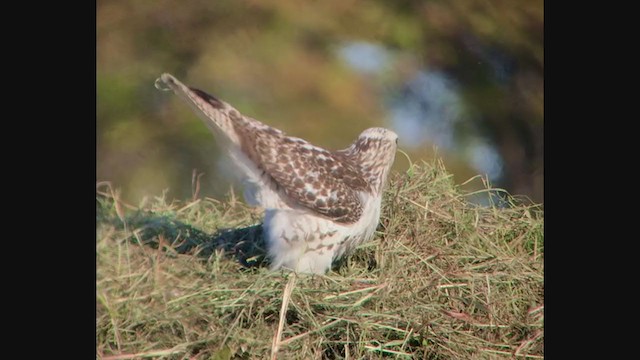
{"x": 322, "y": 181}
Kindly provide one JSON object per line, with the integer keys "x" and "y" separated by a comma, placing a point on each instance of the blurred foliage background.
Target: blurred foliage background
{"x": 459, "y": 79}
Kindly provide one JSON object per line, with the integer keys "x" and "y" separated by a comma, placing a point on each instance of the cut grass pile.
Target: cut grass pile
{"x": 442, "y": 279}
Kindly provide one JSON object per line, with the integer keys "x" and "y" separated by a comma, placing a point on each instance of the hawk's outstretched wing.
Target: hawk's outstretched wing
{"x": 304, "y": 175}
{"x": 310, "y": 176}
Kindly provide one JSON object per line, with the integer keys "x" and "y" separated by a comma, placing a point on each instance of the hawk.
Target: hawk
{"x": 319, "y": 204}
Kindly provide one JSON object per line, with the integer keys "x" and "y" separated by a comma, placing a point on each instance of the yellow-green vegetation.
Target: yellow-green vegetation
{"x": 279, "y": 62}
{"x": 442, "y": 279}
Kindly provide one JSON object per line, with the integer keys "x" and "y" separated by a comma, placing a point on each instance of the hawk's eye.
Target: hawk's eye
{"x": 396, "y": 141}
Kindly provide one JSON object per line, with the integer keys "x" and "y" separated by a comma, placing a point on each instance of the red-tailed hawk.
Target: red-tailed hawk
{"x": 319, "y": 204}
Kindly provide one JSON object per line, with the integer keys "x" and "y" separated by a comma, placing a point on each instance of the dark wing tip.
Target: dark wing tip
{"x": 215, "y": 102}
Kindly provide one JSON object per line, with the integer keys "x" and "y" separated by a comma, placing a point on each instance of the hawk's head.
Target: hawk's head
{"x": 373, "y": 153}
{"x": 378, "y": 134}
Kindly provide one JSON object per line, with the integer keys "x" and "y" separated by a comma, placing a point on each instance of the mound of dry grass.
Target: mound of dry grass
{"x": 443, "y": 279}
